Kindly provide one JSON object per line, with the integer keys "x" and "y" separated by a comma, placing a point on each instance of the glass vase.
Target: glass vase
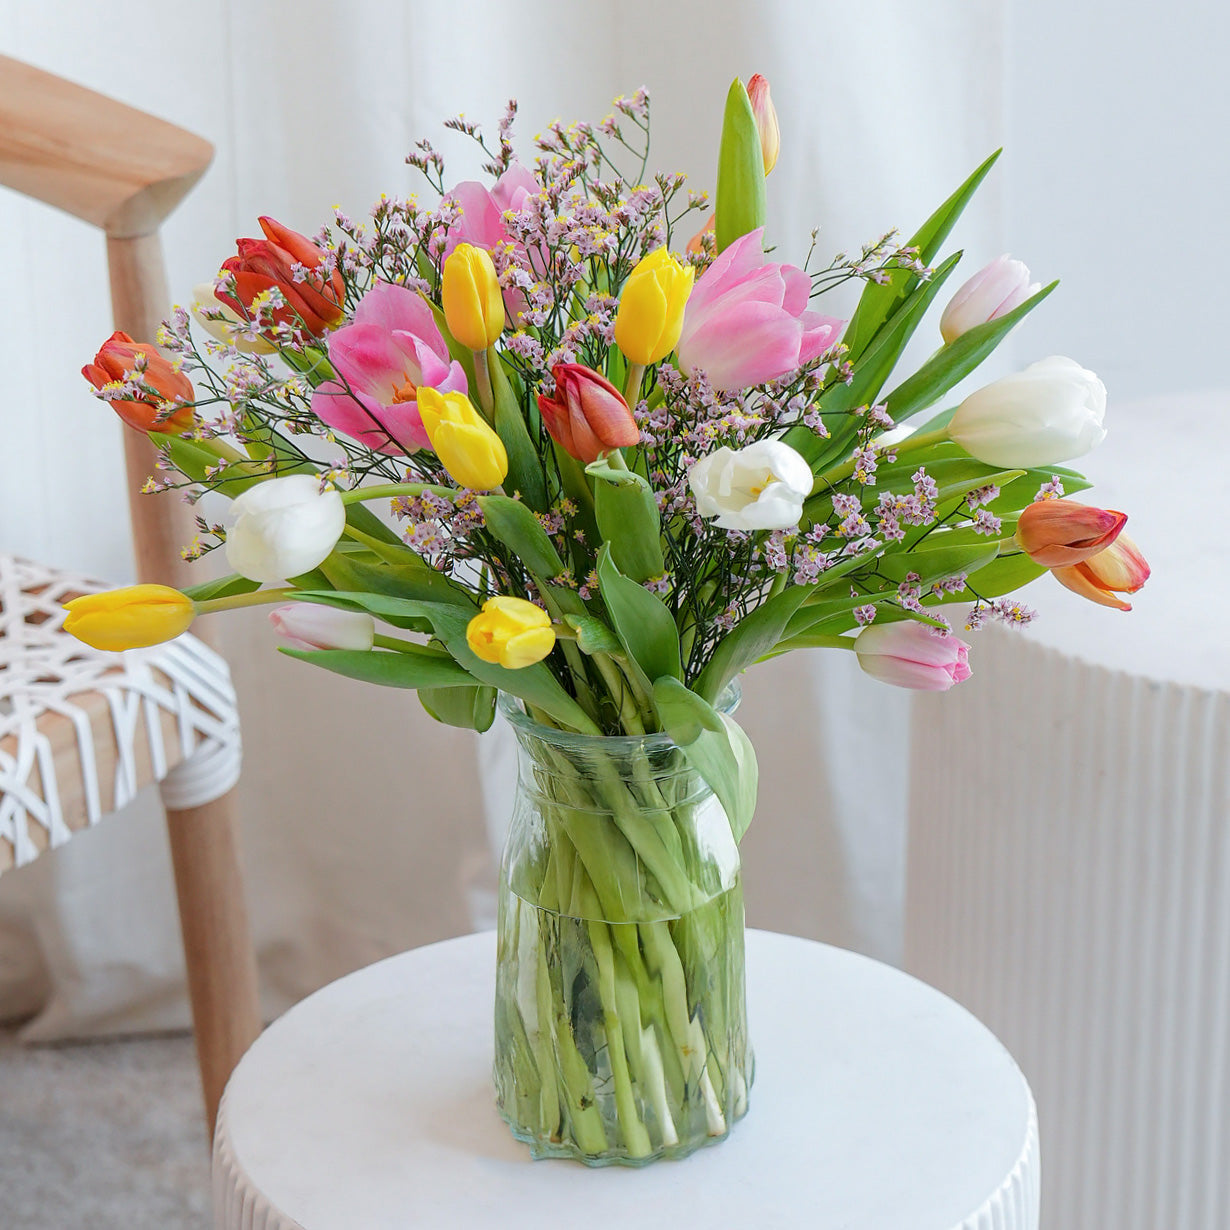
{"x": 620, "y": 1022}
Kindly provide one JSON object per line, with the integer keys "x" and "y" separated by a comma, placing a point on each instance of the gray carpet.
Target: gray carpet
{"x": 102, "y": 1136}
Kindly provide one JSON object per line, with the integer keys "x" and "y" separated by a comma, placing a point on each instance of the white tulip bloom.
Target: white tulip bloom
{"x": 992, "y": 292}
{"x": 223, "y": 322}
{"x": 283, "y": 527}
{"x": 311, "y": 625}
{"x": 1050, "y": 412}
{"x": 760, "y": 487}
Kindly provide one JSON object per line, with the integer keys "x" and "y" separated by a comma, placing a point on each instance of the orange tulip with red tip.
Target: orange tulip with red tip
{"x": 1119, "y": 569}
{"x": 1059, "y": 533}
{"x": 122, "y": 363}
{"x": 313, "y": 303}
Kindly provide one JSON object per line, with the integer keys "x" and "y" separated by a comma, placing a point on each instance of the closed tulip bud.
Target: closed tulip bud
{"x": 766, "y": 120}
{"x": 511, "y": 632}
{"x": 1119, "y": 569}
{"x": 223, "y": 322}
{"x": 308, "y": 625}
{"x": 289, "y": 263}
{"x": 1051, "y": 412}
{"x": 147, "y": 391}
{"x": 463, "y": 440}
{"x": 992, "y": 292}
{"x": 473, "y": 305}
{"x": 759, "y": 487}
{"x": 1058, "y": 533}
{"x": 588, "y": 415}
{"x": 650, "y": 315}
{"x": 129, "y": 618}
{"x": 283, "y": 527}
{"x": 908, "y": 654}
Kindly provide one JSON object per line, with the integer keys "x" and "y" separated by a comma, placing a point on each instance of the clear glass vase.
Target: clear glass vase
{"x": 620, "y": 1022}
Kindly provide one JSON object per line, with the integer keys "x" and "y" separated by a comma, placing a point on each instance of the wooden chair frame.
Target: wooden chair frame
{"x": 124, "y": 171}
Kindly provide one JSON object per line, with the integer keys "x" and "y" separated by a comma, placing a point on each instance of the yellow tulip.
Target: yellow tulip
{"x": 511, "y": 632}
{"x": 473, "y": 304}
{"x": 467, "y": 447}
{"x": 129, "y": 618}
{"x": 650, "y": 316}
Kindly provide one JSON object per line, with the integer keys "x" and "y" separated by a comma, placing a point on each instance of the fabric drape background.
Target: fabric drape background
{"x": 368, "y": 828}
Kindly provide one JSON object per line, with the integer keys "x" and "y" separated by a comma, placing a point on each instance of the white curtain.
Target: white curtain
{"x": 365, "y": 827}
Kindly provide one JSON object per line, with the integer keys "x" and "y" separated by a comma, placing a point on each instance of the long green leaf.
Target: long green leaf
{"x": 641, "y": 621}
{"x": 389, "y": 668}
{"x": 516, "y": 526}
{"x": 715, "y": 746}
{"x": 223, "y": 587}
{"x": 741, "y": 203}
{"x": 951, "y": 364}
{"x": 524, "y": 467}
{"x": 628, "y": 520}
{"x": 749, "y": 640}
{"x": 880, "y": 300}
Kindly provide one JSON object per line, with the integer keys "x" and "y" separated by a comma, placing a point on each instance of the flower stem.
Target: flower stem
{"x": 632, "y": 386}
{"x": 482, "y": 377}
{"x": 258, "y": 597}
{"x": 390, "y": 491}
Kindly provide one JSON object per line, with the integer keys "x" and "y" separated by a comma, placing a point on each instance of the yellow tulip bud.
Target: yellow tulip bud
{"x": 650, "y": 316}
{"x": 129, "y": 618}
{"x": 511, "y": 632}
{"x": 473, "y": 304}
{"x": 467, "y": 447}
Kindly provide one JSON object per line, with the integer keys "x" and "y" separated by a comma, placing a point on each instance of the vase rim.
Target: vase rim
{"x": 514, "y": 711}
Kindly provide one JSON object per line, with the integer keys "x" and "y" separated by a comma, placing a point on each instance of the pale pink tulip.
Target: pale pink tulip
{"x": 992, "y": 292}
{"x": 310, "y": 625}
{"x": 747, "y": 320}
{"x": 393, "y": 347}
{"x": 908, "y": 654}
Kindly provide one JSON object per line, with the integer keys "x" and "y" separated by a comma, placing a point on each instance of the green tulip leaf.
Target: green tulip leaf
{"x": 628, "y": 521}
{"x": 593, "y": 636}
{"x": 470, "y": 708}
{"x": 641, "y": 620}
{"x": 715, "y": 746}
{"x": 524, "y": 467}
{"x": 424, "y": 667}
{"x": 741, "y": 202}
{"x": 223, "y": 587}
{"x": 515, "y": 525}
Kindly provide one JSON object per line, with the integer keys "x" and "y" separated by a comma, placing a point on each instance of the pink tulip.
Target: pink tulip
{"x": 991, "y": 293}
{"x": 912, "y": 655}
{"x": 393, "y": 347}
{"x": 309, "y": 625}
{"x": 766, "y": 120}
{"x": 747, "y": 320}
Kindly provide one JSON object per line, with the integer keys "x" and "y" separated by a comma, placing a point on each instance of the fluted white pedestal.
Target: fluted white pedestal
{"x": 878, "y": 1104}
{"x": 1069, "y": 849}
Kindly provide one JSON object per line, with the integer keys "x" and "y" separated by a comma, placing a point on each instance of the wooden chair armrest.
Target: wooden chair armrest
{"x": 93, "y": 157}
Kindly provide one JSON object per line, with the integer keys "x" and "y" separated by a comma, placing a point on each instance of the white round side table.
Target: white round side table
{"x": 1069, "y": 844}
{"x": 878, "y": 1105}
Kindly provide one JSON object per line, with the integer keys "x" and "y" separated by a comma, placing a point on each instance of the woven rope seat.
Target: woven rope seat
{"x": 82, "y": 730}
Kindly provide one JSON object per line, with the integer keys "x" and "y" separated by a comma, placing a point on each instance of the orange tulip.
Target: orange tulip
{"x": 1058, "y": 533}
{"x": 588, "y": 415}
{"x": 1119, "y": 569}
{"x": 313, "y": 302}
{"x": 121, "y": 361}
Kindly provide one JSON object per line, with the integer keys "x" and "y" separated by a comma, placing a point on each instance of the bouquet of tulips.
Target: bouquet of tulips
{"x": 546, "y": 437}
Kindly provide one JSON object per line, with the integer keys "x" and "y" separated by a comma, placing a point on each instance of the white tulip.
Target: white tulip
{"x": 283, "y": 527}
{"x": 206, "y": 310}
{"x": 760, "y": 487}
{"x": 1050, "y": 412}
{"x": 992, "y": 292}
{"x": 310, "y": 625}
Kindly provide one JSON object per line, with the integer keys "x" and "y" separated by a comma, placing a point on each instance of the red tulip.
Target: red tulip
{"x": 1119, "y": 569}
{"x": 587, "y": 416}
{"x": 313, "y": 302}
{"x": 121, "y": 361}
{"x": 1058, "y": 533}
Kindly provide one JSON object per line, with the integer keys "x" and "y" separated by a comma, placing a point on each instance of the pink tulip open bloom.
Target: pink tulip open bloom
{"x": 747, "y": 320}
{"x": 393, "y": 347}
{"x": 912, "y": 655}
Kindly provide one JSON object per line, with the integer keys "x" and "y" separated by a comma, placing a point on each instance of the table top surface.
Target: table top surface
{"x": 1166, "y": 463}
{"x": 878, "y": 1104}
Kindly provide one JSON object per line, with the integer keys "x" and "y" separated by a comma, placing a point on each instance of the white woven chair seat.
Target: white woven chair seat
{"x": 82, "y": 730}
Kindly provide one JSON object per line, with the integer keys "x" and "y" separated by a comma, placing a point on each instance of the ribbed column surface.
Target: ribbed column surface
{"x": 1069, "y": 883}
